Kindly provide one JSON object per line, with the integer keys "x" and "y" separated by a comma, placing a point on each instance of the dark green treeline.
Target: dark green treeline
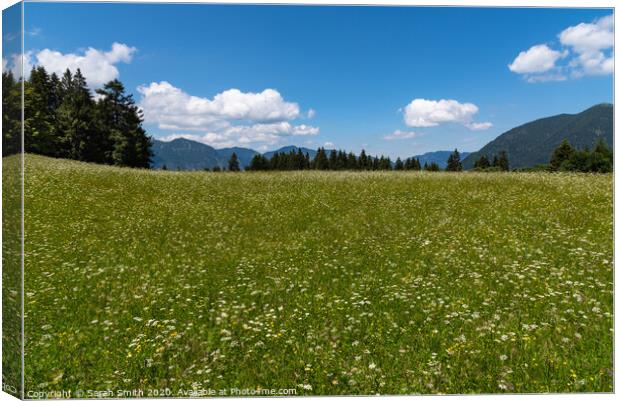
{"x": 63, "y": 119}
{"x": 334, "y": 160}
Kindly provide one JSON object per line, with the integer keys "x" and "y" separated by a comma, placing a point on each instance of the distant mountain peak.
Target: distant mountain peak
{"x": 532, "y": 143}
{"x": 438, "y": 156}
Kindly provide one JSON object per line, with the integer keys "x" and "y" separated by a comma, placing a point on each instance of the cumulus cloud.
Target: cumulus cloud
{"x": 230, "y": 118}
{"x": 590, "y": 41}
{"x": 14, "y": 64}
{"x": 539, "y": 58}
{"x": 398, "y": 134}
{"x": 247, "y": 135}
{"x": 98, "y": 66}
{"x": 430, "y": 113}
{"x": 588, "y": 37}
{"x": 172, "y": 108}
{"x": 588, "y": 47}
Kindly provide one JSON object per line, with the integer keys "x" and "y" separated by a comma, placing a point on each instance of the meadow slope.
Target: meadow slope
{"x": 326, "y": 282}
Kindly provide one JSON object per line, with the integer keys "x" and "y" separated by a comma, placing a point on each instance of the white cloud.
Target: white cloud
{"x": 172, "y": 108}
{"x": 588, "y": 45}
{"x": 588, "y": 37}
{"x": 539, "y": 58}
{"x": 311, "y": 113}
{"x": 15, "y": 64}
{"x": 248, "y": 135}
{"x": 398, "y": 134}
{"x": 230, "y": 118}
{"x": 96, "y": 65}
{"x": 430, "y": 113}
{"x": 479, "y": 126}
{"x": 589, "y": 41}
{"x": 551, "y": 76}
{"x": 329, "y": 144}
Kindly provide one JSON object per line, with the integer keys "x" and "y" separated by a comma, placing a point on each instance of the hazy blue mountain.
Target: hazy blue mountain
{"x": 184, "y": 154}
{"x": 532, "y": 143}
{"x": 287, "y": 149}
{"x": 245, "y": 155}
{"x": 440, "y": 157}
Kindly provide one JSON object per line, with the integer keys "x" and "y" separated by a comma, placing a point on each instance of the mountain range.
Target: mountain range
{"x": 185, "y": 154}
{"x": 440, "y": 157}
{"x": 532, "y": 143}
{"x": 527, "y": 145}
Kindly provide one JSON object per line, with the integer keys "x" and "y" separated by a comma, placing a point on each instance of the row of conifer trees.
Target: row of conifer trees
{"x": 63, "y": 119}
{"x": 332, "y": 160}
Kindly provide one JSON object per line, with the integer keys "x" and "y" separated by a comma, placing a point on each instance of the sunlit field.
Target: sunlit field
{"x": 322, "y": 282}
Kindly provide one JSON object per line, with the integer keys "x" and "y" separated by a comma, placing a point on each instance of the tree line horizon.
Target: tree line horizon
{"x": 63, "y": 119}
{"x": 342, "y": 160}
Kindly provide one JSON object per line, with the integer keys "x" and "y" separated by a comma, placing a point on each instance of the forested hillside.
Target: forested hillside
{"x": 533, "y": 143}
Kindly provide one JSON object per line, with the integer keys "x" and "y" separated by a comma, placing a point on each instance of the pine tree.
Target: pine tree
{"x": 502, "y": 162}
{"x": 11, "y": 115}
{"x": 399, "y": 164}
{"x": 562, "y": 154}
{"x": 333, "y": 160}
{"x": 75, "y": 118}
{"x": 233, "y": 163}
{"x": 374, "y": 163}
{"x": 454, "y": 162}
{"x": 320, "y": 160}
{"x": 416, "y": 164}
{"x": 342, "y": 160}
{"x": 601, "y": 159}
{"x": 257, "y": 163}
{"x": 363, "y": 161}
{"x": 385, "y": 163}
{"x": 56, "y": 94}
{"x": 121, "y": 139}
{"x": 39, "y": 114}
{"x": 431, "y": 167}
{"x": 307, "y": 161}
{"x": 482, "y": 163}
{"x": 495, "y": 162}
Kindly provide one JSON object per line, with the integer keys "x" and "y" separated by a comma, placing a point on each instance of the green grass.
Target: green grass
{"x": 326, "y": 282}
{"x": 11, "y": 275}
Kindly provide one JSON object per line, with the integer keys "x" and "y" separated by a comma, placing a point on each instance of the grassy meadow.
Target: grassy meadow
{"x": 322, "y": 282}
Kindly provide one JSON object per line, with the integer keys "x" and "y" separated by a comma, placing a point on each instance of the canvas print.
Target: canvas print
{"x": 291, "y": 200}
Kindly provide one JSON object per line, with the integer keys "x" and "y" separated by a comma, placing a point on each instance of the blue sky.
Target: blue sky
{"x": 335, "y": 75}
